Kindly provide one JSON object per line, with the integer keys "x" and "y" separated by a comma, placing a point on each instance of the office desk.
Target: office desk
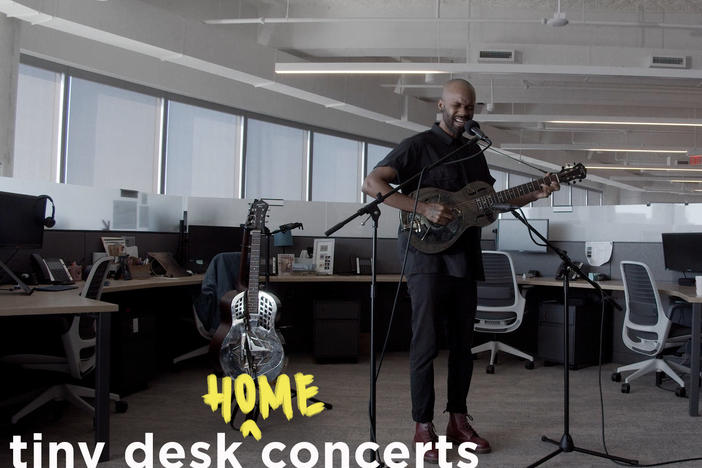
{"x": 69, "y": 302}
{"x": 686, "y": 293}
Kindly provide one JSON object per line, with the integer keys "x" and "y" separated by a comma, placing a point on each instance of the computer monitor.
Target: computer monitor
{"x": 21, "y": 221}
{"x": 513, "y": 235}
{"x": 682, "y": 251}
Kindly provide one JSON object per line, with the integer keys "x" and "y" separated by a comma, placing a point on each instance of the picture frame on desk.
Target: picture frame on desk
{"x": 285, "y": 263}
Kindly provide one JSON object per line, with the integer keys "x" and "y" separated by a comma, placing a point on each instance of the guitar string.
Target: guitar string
{"x": 496, "y": 195}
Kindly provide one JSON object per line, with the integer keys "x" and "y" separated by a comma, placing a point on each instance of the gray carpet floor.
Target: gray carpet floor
{"x": 512, "y": 408}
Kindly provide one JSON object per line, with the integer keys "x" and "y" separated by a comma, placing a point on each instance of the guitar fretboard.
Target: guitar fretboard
{"x": 254, "y": 266}
{"x": 505, "y": 196}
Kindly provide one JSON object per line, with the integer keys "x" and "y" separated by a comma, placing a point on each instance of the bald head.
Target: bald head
{"x": 457, "y": 105}
{"x": 457, "y": 86}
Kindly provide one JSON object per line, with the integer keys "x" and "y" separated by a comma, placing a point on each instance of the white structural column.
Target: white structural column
{"x": 9, "y": 63}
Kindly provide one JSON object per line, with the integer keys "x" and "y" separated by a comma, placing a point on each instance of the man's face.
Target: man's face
{"x": 457, "y": 106}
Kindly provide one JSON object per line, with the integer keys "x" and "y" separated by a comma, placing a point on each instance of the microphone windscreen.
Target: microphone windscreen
{"x": 470, "y": 124}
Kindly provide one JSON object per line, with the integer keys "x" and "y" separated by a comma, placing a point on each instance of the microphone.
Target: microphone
{"x": 504, "y": 207}
{"x": 473, "y": 128}
{"x": 289, "y": 227}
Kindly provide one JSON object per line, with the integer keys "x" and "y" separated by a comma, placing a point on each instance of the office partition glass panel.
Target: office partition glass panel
{"x": 375, "y": 154}
{"x": 579, "y": 196}
{"x": 335, "y": 169}
{"x": 276, "y": 158}
{"x": 201, "y": 152}
{"x": 37, "y": 124}
{"x": 113, "y": 137}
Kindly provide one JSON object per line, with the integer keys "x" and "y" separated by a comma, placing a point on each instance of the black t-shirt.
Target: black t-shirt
{"x": 463, "y": 258}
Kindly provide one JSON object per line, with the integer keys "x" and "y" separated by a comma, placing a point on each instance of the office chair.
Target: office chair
{"x": 500, "y": 306}
{"x": 221, "y": 276}
{"x": 647, "y": 328}
{"x": 76, "y": 348}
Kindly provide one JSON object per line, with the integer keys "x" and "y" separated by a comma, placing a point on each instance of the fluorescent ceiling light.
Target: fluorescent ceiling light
{"x": 635, "y": 150}
{"x": 687, "y": 181}
{"x": 633, "y": 168}
{"x": 623, "y": 122}
{"x": 357, "y": 68}
{"x": 581, "y": 147}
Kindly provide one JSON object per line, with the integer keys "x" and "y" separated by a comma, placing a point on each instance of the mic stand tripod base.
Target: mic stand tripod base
{"x": 566, "y": 445}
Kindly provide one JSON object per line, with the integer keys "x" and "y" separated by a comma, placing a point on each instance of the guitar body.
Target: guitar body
{"x": 432, "y": 238}
{"x": 471, "y": 206}
{"x": 252, "y": 345}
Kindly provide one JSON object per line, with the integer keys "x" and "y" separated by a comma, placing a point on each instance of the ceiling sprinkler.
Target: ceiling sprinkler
{"x": 558, "y": 19}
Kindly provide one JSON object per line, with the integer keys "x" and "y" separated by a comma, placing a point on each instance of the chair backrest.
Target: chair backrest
{"x": 500, "y": 304}
{"x": 96, "y": 278}
{"x": 79, "y": 340}
{"x": 646, "y": 325}
{"x": 500, "y": 286}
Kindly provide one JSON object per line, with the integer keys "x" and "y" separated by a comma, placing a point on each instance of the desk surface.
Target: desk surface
{"x": 148, "y": 283}
{"x": 50, "y": 302}
{"x": 670, "y": 289}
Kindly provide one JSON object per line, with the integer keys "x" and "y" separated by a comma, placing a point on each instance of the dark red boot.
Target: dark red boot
{"x": 459, "y": 430}
{"x": 424, "y": 432}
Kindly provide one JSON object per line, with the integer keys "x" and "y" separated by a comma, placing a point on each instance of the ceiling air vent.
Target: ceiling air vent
{"x": 669, "y": 61}
{"x": 500, "y": 56}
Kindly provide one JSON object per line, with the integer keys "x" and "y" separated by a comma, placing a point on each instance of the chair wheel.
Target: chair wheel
{"x": 121, "y": 406}
{"x": 616, "y": 377}
{"x": 626, "y": 388}
{"x": 680, "y": 391}
{"x": 490, "y": 369}
{"x": 529, "y": 365}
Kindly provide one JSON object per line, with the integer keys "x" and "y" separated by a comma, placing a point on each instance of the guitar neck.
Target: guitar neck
{"x": 254, "y": 267}
{"x": 505, "y": 196}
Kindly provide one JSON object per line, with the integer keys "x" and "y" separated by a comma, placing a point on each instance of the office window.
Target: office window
{"x": 562, "y": 197}
{"x": 276, "y": 158}
{"x": 335, "y": 169}
{"x": 594, "y": 198}
{"x": 201, "y": 152}
{"x": 514, "y": 180}
{"x": 113, "y": 137}
{"x": 375, "y": 154}
{"x": 579, "y": 196}
{"x": 37, "y": 124}
{"x": 500, "y": 180}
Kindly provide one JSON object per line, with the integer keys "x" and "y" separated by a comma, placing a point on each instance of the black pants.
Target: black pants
{"x": 435, "y": 297}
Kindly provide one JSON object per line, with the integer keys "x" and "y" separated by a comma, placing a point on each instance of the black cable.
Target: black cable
{"x": 402, "y": 273}
{"x": 531, "y": 234}
{"x": 602, "y": 415}
{"x": 404, "y": 260}
{"x": 519, "y": 161}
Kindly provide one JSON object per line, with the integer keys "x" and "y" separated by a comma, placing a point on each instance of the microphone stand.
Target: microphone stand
{"x": 566, "y": 442}
{"x": 371, "y": 209}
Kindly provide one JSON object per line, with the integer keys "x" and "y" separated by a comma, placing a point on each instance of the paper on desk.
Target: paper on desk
{"x": 598, "y": 253}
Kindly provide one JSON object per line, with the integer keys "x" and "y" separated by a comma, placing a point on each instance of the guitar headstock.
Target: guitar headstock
{"x": 256, "y": 220}
{"x": 576, "y": 172}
